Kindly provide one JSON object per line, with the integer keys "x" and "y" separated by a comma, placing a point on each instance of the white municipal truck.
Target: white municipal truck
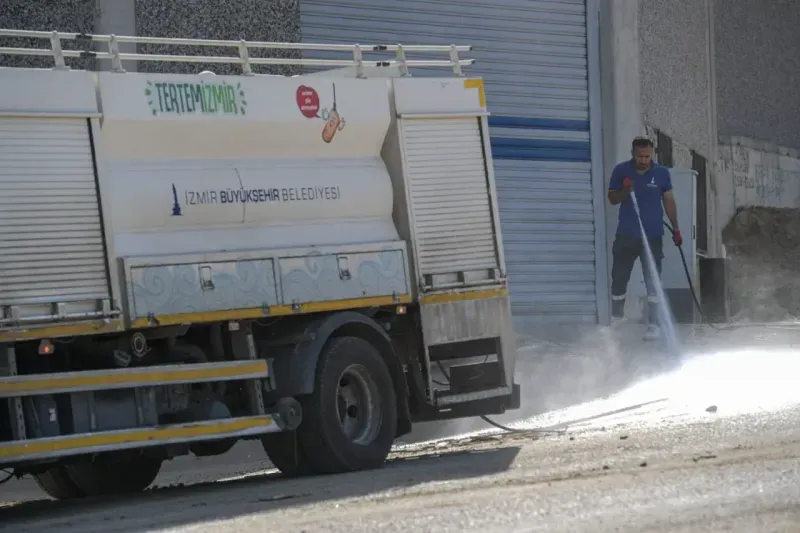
{"x": 187, "y": 260}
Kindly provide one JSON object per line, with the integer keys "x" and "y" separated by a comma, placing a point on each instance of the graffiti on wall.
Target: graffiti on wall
{"x": 756, "y": 177}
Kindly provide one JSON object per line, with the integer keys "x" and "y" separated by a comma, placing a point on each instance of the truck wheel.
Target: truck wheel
{"x": 114, "y": 473}
{"x": 57, "y": 484}
{"x": 285, "y": 453}
{"x": 350, "y": 421}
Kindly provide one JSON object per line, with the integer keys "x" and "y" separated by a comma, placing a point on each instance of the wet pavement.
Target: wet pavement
{"x": 712, "y": 447}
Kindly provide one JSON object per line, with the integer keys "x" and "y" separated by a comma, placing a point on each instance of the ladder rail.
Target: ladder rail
{"x": 242, "y": 46}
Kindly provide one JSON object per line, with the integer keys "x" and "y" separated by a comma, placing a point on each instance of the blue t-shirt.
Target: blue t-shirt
{"x": 649, "y": 189}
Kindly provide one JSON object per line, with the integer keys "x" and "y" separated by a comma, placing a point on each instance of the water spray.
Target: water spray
{"x": 665, "y": 320}
{"x": 711, "y": 378}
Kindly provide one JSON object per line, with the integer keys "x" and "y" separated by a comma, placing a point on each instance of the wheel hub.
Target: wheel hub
{"x": 357, "y": 401}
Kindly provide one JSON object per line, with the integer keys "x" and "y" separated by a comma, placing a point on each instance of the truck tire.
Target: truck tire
{"x": 350, "y": 420}
{"x": 56, "y": 483}
{"x": 114, "y": 473}
{"x": 286, "y": 454}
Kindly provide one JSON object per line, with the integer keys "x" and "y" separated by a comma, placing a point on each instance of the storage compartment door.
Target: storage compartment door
{"x": 51, "y": 238}
{"x": 451, "y": 201}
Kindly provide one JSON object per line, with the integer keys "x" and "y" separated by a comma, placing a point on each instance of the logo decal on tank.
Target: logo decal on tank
{"x": 258, "y": 196}
{"x": 308, "y": 102}
{"x": 195, "y": 98}
{"x": 176, "y": 205}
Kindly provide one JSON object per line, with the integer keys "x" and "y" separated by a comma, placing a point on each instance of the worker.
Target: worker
{"x": 652, "y": 185}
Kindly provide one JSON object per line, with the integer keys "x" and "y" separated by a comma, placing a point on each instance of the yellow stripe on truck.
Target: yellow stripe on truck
{"x": 477, "y": 84}
{"x": 447, "y": 297}
{"x": 66, "y": 330}
{"x": 75, "y": 444}
{"x": 115, "y": 379}
{"x": 275, "y": 310}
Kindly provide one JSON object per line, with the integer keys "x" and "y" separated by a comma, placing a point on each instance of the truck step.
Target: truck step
{"x": 445, "y": 399}
{"x": 48, "y": 448}
{"x": 91, "y": 380}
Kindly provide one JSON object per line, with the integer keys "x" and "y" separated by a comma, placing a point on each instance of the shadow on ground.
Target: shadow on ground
{"x": 175, "y": 507}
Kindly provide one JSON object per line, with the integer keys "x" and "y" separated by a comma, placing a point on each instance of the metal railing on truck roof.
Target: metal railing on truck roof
{"x": 244, "y": 47}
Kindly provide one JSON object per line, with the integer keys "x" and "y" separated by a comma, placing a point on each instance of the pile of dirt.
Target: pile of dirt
{"x": 763, "y": 246}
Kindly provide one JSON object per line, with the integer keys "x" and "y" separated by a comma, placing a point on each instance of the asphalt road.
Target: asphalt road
{"x": 715, "y": 447}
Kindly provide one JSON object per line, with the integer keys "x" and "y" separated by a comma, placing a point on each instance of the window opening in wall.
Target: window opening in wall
{"x": 664, "y": 149}
{"x": 699, "y": 166}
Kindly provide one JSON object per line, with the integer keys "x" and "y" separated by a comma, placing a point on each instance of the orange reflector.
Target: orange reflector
{"x": 400, "y": 309}
{"x": 46, "y": 348}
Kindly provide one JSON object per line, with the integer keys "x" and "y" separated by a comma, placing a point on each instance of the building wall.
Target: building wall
{"x": 257, "y": 20}
{"x": 757, "y": 64}
{"x": 43, "y": 15}
{"x": 675, "y": 73}
{"x": 756, "y": 174}
{"x": 254, "y": 20}
{"x": 657, "y": 76}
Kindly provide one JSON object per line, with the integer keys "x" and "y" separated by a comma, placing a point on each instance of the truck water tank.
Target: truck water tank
{"x": 204, "y": 163}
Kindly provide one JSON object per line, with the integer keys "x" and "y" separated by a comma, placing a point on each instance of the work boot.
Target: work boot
{"x": 653, "y": 333}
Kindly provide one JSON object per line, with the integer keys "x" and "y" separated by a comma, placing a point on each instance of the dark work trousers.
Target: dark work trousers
{"x": 625, "y": 251}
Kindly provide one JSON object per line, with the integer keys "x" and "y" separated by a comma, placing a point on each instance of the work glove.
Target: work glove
{"x": 677, "y": 238}
{"x": 627, "y": 184}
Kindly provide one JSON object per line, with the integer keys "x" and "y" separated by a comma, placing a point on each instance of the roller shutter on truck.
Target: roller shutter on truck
{"x": 450, "y": 195}
{"x": 51, "y": 238}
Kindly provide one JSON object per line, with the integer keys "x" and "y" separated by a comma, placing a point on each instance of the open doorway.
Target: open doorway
{"x": 699, "y": 165}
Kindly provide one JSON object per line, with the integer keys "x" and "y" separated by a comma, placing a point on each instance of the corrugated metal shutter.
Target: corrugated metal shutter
{"x": 51, "y": 240}
{"x": 532, "y": 55}
{"x": 450, "y": 203}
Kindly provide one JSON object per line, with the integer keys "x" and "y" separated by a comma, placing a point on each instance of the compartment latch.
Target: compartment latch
{"x": 344, "y": 267}
{"x": 206, "y": 278}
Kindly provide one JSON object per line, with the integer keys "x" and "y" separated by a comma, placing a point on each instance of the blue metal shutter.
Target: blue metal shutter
{"x": 533, "y": 57}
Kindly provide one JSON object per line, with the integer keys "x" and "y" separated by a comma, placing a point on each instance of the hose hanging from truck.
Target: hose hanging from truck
{"x": 497, "y": 424}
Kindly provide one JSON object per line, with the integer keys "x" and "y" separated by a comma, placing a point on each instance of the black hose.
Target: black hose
{"x": 492, "y": 422}
{"x": 688, "y": 274}
{"x": 9, "y": 475}
{"x": 703, "y": 318}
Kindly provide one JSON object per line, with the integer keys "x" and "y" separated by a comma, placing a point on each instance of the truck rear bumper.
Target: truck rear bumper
{"x": 494, "y": 405}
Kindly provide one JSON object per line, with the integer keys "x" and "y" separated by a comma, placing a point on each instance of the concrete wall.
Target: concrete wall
{"x": 755, "y": 173}
{"x": 757, "y": 64}
{"x": 254, "y": 20}
{"x": 45, "y": 15}
{"x": 675, "y": 73}
{"x": 264, "y": 20}
{"x": 658, "y": 75}
{"x": 620, "y": 95}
